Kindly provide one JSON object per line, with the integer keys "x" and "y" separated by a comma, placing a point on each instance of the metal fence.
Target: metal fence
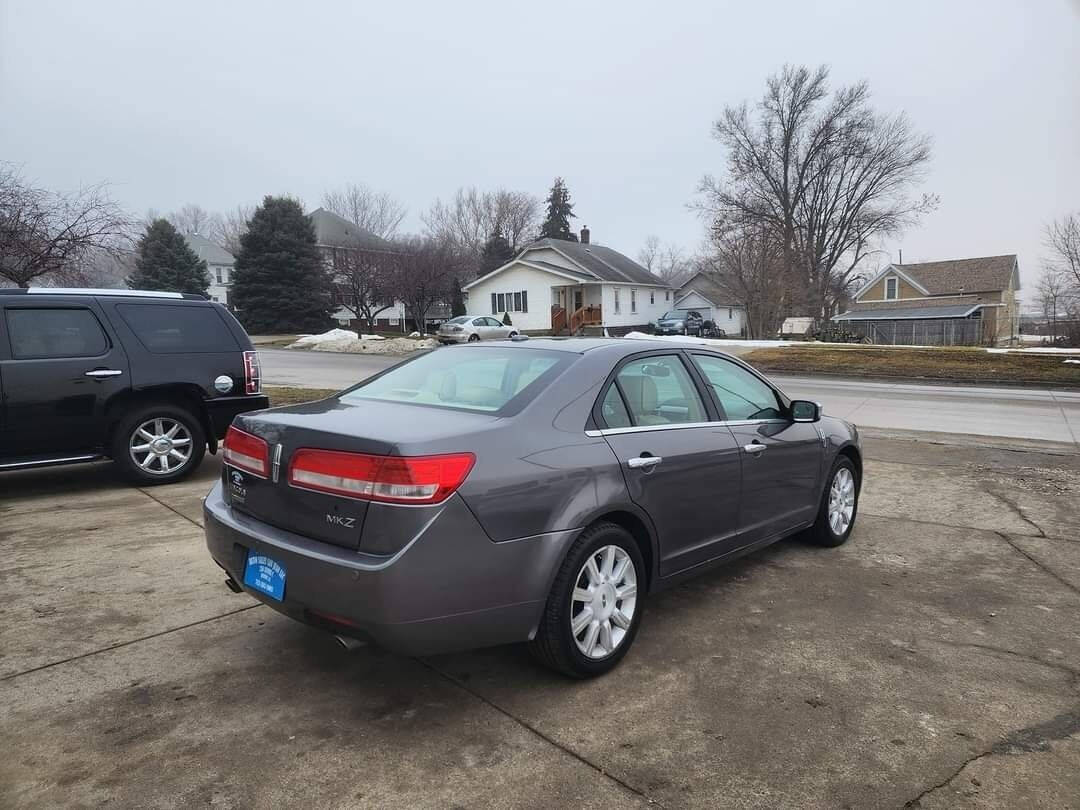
{"x": 922, "y": 332}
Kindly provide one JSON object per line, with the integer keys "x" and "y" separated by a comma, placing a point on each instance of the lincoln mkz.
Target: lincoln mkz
{"x": 535, "y": 491}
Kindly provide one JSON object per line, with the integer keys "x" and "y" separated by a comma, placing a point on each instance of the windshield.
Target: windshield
{"x": 676, "y": 315}
{"x": 486, "y": 379}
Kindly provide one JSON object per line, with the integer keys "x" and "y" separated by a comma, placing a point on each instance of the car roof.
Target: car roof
{"x": 620, "y": 346}
{"x": 90, "y": 292}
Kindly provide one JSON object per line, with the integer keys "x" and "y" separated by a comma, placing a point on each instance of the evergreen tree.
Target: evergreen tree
{"x": 495, "y": 253}
{"x": 279, "y": 282}
{"x": 559, "y": 213}
{"x": 165, "y": 261}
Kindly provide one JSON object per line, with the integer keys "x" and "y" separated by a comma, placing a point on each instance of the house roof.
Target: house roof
{"x": 602, "y": 262}
{"x": 908, "y": 313}
{"x": 982, "y": 274}
{"x": 704, "y": 285}
{"x": 208, "y": 251}
{"x": 332, "y": 230}
{"x": 591, "y": 263}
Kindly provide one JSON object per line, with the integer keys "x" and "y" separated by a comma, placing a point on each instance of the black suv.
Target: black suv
{"x": 149, "y": 379}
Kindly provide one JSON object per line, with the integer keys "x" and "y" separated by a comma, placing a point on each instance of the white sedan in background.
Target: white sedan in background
{"x": 470, "y": 328}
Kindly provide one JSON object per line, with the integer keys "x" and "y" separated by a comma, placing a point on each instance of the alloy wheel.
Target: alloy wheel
{"x": 841, "y": 501}
{"x": 160, "y": 446}
{"x": 603, "y": 602}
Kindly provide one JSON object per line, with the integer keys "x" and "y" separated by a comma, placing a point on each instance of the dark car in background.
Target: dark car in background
{"x": 148, "y": 379}
{"x": 679, "y": 322}
{"x": 522, "y": 491}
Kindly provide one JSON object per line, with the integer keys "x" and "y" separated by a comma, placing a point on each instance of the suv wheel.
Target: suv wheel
{"x": 158, "y": 444}
{"x": 594, "y": 609}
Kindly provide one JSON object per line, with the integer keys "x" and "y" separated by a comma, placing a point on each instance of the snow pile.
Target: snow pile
{"x": 1072, "y": 361}
{"x": 347, "y": 341}
{"x": 1036, "y": 350}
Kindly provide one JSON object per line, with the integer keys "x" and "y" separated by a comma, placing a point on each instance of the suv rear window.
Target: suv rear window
{"x": 483, "y": 379}
{"x": 172, "y": 329}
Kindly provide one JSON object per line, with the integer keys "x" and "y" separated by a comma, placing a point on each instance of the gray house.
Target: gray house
{"x": 219, "y": 266}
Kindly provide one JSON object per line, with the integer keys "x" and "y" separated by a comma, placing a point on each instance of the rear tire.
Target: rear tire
{"x": 839, "y": 506}
{"x": 600, "y": 589}
{"x": 473, "y": 338}
{"x": 145, "y": 452}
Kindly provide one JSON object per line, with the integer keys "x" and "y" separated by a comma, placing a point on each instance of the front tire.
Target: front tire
{"x": 839, "y": 505}
{"x": 158, "y": 443}
{"x": 594, "y": 609}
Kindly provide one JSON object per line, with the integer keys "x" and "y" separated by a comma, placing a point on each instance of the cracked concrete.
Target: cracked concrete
{"x": 932, "y": 662}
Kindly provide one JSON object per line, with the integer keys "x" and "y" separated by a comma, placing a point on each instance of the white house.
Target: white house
{"x": 564, "y": 287}
{"x": 701, "y": 293}
{"x": 219, "y": 266}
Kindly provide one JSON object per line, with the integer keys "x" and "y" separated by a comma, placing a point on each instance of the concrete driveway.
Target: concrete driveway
{"x": 932, "y": 662}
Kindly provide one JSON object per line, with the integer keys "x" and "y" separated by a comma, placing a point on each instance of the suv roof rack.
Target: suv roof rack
{"x": 93, "y": 291}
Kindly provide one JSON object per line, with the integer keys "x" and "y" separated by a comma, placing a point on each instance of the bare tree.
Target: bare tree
{"x": 826, "y": 176}
{"x": 423, "y": 272}
{"x": 193, "y": 218}
{"x": 233, "y": 225}
{"x": 472, "y": 217}
{"x": 748, "y": 265}
{"x": 45, "y": 232}
{"x": 1053, "y": 294}
{"x": 376, "y": 212}
{"x": 666, "y": 261}
{"x": 1063, "y": 239}
{"x": 364, "y": 281}
{"x": 649, "y": 255}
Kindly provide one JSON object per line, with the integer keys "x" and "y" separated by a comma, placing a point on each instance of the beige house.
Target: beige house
{"x": 961, "y": 302}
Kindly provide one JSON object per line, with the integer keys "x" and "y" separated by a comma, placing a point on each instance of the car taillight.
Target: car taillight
{"x": 389, "y": 479}
{"x": 246, "y": 452}
{"x": 252, "y": 373}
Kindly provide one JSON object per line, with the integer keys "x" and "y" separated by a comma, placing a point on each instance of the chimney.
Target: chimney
{"x": 585, "y": 235}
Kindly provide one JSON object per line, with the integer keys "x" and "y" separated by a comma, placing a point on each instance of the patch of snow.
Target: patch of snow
{"x": 414, "y": 334}
{"x": 1036, "y": 350}
{"x": 310, "y": 341}
{"x": 1073, "y": 361}
{"x": 345, "y": 340}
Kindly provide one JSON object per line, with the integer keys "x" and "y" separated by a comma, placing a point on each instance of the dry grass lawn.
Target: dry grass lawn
{"x": 283, "y": 395}
{"x": 966, "y": 365}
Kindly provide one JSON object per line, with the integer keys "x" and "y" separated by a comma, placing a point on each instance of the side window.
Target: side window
{"x": 43, "y": 333}
{"x": 494, "y": 322}
{"x": 171, "y": 329}
{"x": 659, "y": 391}
{"x": 480, "y": 321}
{"x": 741, "y": 394}
{"x": 613, "y": 409}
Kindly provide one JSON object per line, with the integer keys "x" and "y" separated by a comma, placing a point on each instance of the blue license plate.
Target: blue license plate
{"x": 265, "y": 574}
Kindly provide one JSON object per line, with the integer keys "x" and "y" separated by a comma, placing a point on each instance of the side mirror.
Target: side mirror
{"x": 803, "y": 410}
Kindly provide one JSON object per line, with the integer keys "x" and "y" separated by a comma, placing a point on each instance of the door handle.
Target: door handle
{"x": 100, "y": 373}
{"x": 755, "y": 449}
{"x": 643, "y": 462}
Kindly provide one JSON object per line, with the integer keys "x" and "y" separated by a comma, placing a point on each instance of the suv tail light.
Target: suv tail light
{"x": 252, "y": 373}
{"x": 388, "y": 479}
{"x": 246, "y": 452}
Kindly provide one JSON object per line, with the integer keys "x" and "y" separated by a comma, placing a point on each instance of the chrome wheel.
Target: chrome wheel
{"x": 603, "y": 602}
{"x": 160, "y": 446}
{"x": 841, "y": 501}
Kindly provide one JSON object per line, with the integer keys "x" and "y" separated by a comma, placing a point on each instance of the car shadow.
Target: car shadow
{"x": 85, "y": 479}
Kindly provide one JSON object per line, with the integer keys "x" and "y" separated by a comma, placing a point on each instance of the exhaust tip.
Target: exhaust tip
{"x": 350, "y": 644}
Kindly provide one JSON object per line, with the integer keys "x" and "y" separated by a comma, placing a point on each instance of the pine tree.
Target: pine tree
{"x": 559, "y": 213}
{"x": 457, "y": 300}
{"x": 495, "y": 253}
{"x": 280, "y": 283}
{"x": 165, "y": 261}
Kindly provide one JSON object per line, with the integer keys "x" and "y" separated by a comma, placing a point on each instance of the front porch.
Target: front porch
{"x": 575, "y": 307}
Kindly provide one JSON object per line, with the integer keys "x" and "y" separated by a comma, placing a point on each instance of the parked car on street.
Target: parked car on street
{"x": 679, "y": 322}
{"x": 469, "y": 329}
{"x": 148, "y": 379}
{"x": 522, "y": 492}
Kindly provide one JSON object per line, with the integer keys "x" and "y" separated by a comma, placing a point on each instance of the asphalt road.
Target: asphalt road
{"x": 1016, "y": 413}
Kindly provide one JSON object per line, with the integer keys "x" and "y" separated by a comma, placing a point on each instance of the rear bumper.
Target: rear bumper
{"x": 450, "y": 588}
{"x": 221, "y": 410}
{"x": 461, "y": 338}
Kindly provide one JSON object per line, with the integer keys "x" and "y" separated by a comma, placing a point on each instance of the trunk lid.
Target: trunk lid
{"x": 378, "y": 428}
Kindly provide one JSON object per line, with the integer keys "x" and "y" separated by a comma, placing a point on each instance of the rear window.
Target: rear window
{"x": 172, "y": 329}
{"x": 495, "y": 380}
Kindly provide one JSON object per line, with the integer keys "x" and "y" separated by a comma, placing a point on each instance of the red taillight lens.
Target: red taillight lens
{"x": 389, "y": 479}
{"x": 246, "y": 452}
{"x": 252, "y": 373}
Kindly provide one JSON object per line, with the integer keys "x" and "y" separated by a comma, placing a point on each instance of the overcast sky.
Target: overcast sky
{"x": 221, "y": 103}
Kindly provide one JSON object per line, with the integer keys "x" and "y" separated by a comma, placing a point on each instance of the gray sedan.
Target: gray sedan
{"x": 533, "y": 492}
{"x": 470, "y": 329}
